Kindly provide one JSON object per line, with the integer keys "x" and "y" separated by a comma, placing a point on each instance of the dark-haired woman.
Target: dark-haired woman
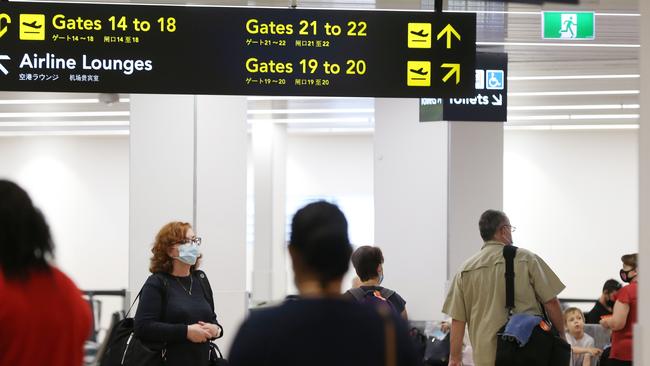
{"x": 368, "y": 262}
{"x": 625, "y": 314}
{"x": 43, "y": 318}
{"x": 322, "y": 328}
{"x": 176, "y": 307}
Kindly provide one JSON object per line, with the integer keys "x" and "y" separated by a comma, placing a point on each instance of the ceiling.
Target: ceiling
{"x": 593, "y": 84}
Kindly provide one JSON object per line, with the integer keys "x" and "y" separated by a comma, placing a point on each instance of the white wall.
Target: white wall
{"x": 81, "y": 184}
{"x": 411, "y": 161}
{"x": 573, "y": 197}
{"x": 333, "y": 167}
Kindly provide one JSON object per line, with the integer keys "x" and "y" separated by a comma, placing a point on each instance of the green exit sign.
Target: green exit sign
{"x": 568, "y": 25}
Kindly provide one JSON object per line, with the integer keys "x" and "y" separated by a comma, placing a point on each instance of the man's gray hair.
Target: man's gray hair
{"x": 490, "y": 222}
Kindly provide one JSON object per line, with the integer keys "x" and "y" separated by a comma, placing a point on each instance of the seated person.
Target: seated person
{"x": 605, "y": 303}
{"x": 583, "y": 352}
{"x": 368, "y": 263}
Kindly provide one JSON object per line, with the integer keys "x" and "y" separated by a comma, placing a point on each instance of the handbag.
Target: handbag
{"x": 216, "y": 357}
{"x": 545, "y": 347}
{"x": 123, "y": 348}
{"x": 437, "y": 351}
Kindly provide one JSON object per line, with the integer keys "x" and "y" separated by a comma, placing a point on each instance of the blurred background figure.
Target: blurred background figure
{"x": 43, "y": 318}
{"x": 321, "y": 328}
{"x": 605, "y": 304}
{"x": 624, "y": 316}
{"x": 368, "y": 262}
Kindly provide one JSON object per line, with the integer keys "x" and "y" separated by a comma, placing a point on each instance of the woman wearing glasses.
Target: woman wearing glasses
{"x": 176, "y": 305}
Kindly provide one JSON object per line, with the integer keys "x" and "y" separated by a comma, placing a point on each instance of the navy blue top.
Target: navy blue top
{"x": 318, "y": 332}
{"x": 182, "y": 310}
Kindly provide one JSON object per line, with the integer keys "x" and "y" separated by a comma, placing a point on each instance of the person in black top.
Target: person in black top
{"x": 321, "y": 328}
{"x": 605, "y": 303}
{"x": 176, "y": 306}
{"x": 368, "y": 262}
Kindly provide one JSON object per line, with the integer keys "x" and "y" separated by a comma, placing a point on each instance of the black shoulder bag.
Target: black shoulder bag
{"x": 544, "y": 347}
{"x": 123, "y": 348}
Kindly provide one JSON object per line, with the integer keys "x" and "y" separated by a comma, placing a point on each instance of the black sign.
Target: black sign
{"x": 489, "y": 103}
{"x": 230, "y": 50}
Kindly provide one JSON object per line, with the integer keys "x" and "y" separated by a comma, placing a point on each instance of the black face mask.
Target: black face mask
{"x": 610, "y": 303}
{"x": 625, "y": 275}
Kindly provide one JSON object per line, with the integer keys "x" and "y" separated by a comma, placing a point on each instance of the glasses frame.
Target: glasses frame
{"x": 195, "y": 240}
{"x": 512, "y": 228}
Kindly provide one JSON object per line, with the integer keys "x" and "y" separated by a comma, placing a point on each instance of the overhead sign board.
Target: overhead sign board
{"x": 568, "y": 25}
{"x": 231, "y": 50}
{"x": 489, "y": 103}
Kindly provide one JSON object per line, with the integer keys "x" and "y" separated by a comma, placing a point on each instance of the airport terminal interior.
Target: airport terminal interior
{"x": 569, "y": 164}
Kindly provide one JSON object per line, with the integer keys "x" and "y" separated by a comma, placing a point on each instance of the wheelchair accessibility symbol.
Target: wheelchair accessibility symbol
{"x": 494, "y": 79}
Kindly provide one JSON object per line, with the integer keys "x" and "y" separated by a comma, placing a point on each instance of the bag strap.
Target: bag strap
{"x": 358, "y": 293}
{"x": 390, "y": 338}
{"x": 163, "y": 280}
{"x": 207, "y": 291}
{"x": 163, "y": 310}
{"x": 386, "y": 293}
{"x": 509, "y": 252}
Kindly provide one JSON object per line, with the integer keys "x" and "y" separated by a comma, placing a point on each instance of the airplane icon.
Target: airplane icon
{"x": 32, "y": 25}
{"x": 419, "y": 71}
{"x": 420, "y": 33}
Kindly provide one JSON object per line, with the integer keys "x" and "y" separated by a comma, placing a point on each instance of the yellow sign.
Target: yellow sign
{"x": 32, "y": 27}
{"x": 419, "y": 35}
{"x": 5, "y": 20}
{"x": 448, "y": 31}
{"x": 418, "y": 73}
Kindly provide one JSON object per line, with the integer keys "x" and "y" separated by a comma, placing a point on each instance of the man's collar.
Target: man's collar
{"x": 492, "y": 242}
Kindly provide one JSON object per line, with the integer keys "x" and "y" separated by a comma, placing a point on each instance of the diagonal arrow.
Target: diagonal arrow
{"x": 497, "y": 99}
{"x": 455, "y": 69}
{"x": 449, "y": 31}
{"x": 2, "y": 68}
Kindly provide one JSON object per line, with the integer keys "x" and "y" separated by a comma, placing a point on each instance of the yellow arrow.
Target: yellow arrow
{"x": 448, "y": 30}
{"x": 455, "y": 69}
{"x": 5, "y": 17}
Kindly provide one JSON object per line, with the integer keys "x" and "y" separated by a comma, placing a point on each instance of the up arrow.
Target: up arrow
{"x": 497, "y": 99}
{"x": 449, "y": 31}
{"x": 455, "y": 69}
{"x": 2, "y": 68}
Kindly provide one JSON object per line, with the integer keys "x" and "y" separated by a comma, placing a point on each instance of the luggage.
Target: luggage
{"x": 437, "y": 351}
{"x": 545, "y": 347}
{"x": 123, "y": 348}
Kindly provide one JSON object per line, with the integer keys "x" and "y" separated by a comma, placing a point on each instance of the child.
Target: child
{"x": 583, "y": 352}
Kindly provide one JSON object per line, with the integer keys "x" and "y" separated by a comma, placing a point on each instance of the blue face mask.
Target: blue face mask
{"x": 188, "y": 253}
{"x": 381, "y": 278}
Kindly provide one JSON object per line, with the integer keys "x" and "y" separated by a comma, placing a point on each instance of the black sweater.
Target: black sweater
{"x": 182, "y": 310}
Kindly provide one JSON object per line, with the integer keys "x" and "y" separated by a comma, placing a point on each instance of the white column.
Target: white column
{"x": 269, "y": 268}
{"x": 188, "y": 163}
{"x": 475, "y": 184}
{"x": 411, "y": 204}
{"x": 641, "y": 337}
{"x": 432, "y": 182}
{"x": 161, "y": 173}
{"x": 221, "y": 141}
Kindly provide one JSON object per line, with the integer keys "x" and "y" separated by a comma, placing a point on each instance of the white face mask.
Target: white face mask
{"x": 188, "y": 253}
